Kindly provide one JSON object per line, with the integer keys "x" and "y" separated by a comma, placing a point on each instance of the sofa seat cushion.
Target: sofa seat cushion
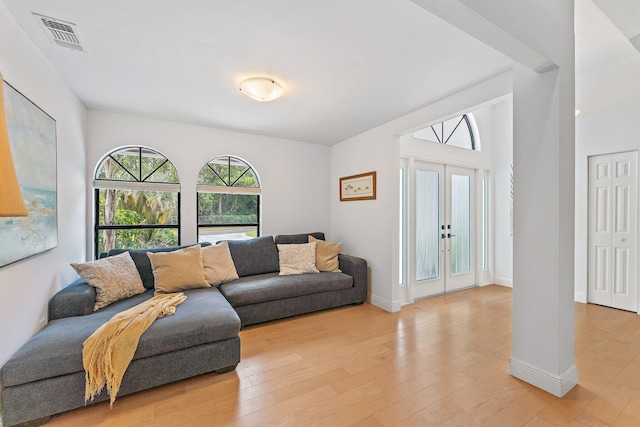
{"x": 56, "y": 350}
{"x": 271, "y": 286}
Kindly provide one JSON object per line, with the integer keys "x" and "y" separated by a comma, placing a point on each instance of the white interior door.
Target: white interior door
{"x": 441, "y": 232}
{"x": 613, "y": 216}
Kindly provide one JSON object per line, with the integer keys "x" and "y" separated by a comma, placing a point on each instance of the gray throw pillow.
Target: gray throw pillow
{"x": 254, "y": 256}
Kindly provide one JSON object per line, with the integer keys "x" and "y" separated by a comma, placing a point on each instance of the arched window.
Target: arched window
{"x": 228, "y": 200}
{"x": 457, "y": 132}
{"x": 137, "y": 200}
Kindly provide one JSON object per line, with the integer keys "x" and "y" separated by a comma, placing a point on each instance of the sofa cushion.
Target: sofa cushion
{"x": 178, "y": 270}
{"x": 254, "y": 256}
{"x": 297, "y": 239}
{"x": 204, "y": 317}
{"x": 218, "y": 264}
{"x": 142, "y": 262}
{"x": 269, "y": 287}
{"x": 114, "y": 278}
{"x": 327, "y": 255}
{"x": 297, "y": 259}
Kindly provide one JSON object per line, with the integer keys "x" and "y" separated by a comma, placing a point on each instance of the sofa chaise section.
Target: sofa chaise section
{"x": 201, "y": 337}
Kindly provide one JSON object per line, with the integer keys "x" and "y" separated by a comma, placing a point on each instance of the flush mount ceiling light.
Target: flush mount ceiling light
{"x": 261, "y": 89}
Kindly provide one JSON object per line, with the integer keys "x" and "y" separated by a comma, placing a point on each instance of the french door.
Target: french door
{"x": 613, "y": 235}
{"x": 442, "y": 229}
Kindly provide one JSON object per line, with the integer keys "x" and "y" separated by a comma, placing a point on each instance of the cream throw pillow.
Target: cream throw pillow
{"x": 218, "y": 264}
{"x": 178, "y": 270}
{"x": 115, "y": 278}
{"x": 297, "y": 259}
{"x": 327, "y": 255}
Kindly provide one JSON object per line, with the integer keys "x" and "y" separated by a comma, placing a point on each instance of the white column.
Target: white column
{"x": 538, "y": 36}
{"x": 543, "y": 238}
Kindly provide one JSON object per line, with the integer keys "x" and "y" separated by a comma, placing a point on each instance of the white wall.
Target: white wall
{"x": 609, "y": 122}
{"x": 502, "y": 159}
{"x": 293, "y": 175}
{"x": 369, "y": 229}
{"x": 26, "y": 286}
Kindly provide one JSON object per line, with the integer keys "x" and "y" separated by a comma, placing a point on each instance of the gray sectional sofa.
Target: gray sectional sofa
{"x": 46, "y": 375}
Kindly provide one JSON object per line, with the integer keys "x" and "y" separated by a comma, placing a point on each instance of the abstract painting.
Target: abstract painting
{"x": 32, "y": 136}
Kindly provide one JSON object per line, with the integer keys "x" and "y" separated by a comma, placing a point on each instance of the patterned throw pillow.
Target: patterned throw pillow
{"x": 115, "y": 278}
{"x": 297, "y": 259}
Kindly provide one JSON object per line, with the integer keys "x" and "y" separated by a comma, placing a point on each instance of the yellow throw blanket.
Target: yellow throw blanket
{"x": 107, "y": 353}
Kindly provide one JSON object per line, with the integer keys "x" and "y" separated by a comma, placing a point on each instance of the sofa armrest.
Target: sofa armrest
{"x": 356, "y": 268}
{"x": 77, "y": 299}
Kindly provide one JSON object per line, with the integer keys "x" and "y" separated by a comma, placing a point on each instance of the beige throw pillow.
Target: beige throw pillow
{"x": 297, "y": 259}
{"x": 327, "y": 255}
{"x": 178, "y": 270}
{"x": 115, "y": 278}
{"x": 218, "y": 264}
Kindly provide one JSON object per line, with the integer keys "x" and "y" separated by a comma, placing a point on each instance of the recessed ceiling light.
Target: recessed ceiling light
{"x": 261, "y": 89}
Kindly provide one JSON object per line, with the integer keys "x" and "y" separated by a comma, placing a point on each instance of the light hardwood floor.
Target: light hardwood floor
{"x": 439, "y": 362}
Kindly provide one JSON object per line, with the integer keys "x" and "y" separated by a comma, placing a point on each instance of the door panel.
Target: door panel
{"x": 612, "y": 279}
{"x": 599, "y": 230}
{"x": 459, "y": 214}
{"x": 428, "y": 213}
{"x": 624, "y": 237}
{"x": 427, "y": 224}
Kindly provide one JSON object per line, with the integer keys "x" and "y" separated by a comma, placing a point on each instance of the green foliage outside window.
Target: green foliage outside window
{"x": 137, "y": 164}
{"x": 217, "y": 208}
{"x": 228, "y": 172}
{"x": 136, "y": 208}
{"x": 227, "y": 197}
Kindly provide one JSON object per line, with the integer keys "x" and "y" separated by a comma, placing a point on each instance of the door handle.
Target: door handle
{"x": 451, "y": 235}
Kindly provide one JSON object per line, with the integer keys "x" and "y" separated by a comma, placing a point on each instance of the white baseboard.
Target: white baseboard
{"x": 504, "y": 281}
{"x": 390, "y": 306}
{"x": 580, "y": 297}
{"x": 558, "y": 385}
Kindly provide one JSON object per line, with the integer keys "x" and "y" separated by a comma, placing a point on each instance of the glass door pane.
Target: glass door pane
{"x": 460, "y": 224}
{"x": 427, "y": 225}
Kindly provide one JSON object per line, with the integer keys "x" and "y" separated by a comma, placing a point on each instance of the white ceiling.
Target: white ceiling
{"x": 625, "y": 14}
{"x": 347, "y": 66}
{"x": 599, "y": 41}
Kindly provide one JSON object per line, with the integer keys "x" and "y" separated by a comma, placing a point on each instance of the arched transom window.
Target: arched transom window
{"x": 228, "y": 200}
{"x": 137, "y": 200}
{"x": 457, "y": 132}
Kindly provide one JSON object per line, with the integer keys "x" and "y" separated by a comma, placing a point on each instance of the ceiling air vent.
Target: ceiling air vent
{"x": 62, "y": 33}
